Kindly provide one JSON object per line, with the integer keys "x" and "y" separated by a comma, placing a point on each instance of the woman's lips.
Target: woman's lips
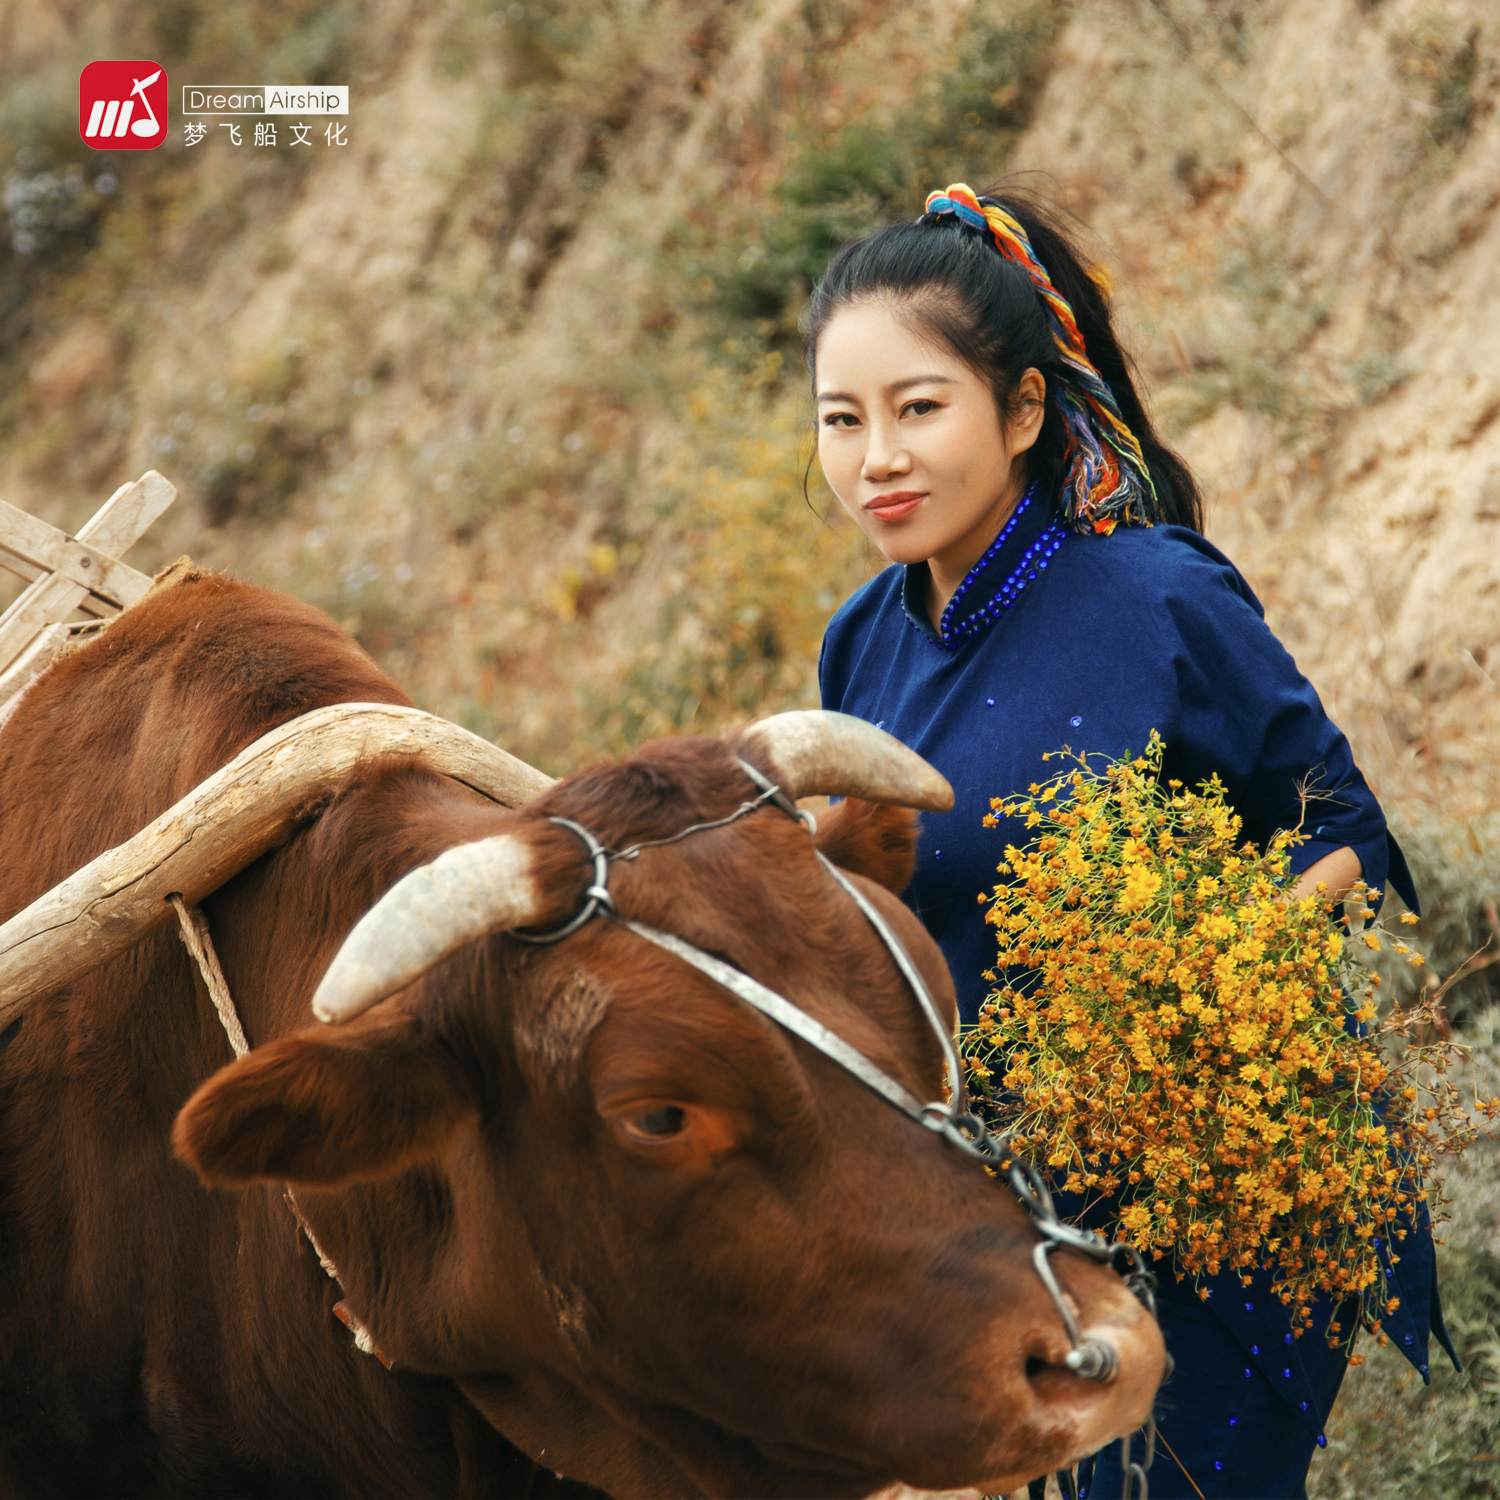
{"x": 894, "y": 506}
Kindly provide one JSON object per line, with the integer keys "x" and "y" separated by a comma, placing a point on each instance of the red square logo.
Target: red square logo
{"x": 122, "y": 106}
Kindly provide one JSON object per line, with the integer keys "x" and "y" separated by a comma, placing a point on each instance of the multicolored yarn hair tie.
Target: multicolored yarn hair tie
{"x": 1105, "y": 478}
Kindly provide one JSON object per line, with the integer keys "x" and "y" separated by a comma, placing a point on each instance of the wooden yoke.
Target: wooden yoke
{"x": 225, "y": 823}
{"x": 71, "y": 573}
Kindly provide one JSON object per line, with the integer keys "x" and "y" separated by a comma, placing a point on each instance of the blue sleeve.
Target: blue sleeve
{"x": 1245, "y": 711}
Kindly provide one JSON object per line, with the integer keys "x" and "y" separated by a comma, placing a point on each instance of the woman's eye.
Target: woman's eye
{"x": 842, "y": 419}
{"x": 668, "y": 1120}
{"x": 919, "y": 408}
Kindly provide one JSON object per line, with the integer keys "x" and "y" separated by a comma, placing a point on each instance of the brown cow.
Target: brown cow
{"x": 604, "y": 1219}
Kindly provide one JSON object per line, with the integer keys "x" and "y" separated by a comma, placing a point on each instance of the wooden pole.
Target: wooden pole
{"x": 224, "y": 824}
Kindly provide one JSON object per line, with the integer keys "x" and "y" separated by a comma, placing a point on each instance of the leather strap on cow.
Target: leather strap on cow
{"x": 1090, "y": 1358}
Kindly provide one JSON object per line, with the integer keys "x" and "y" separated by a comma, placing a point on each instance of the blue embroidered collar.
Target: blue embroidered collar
{"x": 965, "y": 617}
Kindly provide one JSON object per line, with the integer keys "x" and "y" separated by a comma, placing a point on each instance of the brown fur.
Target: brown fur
{"x": 804, "y": 1294}
{"x": 347, "y": 1104}
{"x": 875, "y": 841}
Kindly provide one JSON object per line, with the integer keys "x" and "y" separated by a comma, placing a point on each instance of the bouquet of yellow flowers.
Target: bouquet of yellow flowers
{"x": 1171, "y": 1034}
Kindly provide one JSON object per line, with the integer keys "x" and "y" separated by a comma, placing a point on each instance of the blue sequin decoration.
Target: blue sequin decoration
{"x": 989, "y": 702}
{"x": 1304, "y": 1406}
{"x": 1218, "y": 1463}
{"x": 1322, "y": 1441}
{"x": 1286, "y": 1338}
{"x": 1286, "y": 1374}
{"x": 1249, "y": 1307}
{"x": 1255, "y": 1348}
{"x": 953, "y": 632}
{"x": 1248, "y": 1374}
{"x": 1076, "y": 720}
{"x": 1234, "y": 1421}
{"x": 1408, "y": 1338}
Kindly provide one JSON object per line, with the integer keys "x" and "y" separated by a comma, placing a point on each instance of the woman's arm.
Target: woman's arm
{"x": 1338, "y": 871}
{"x": 1246, "y": 712}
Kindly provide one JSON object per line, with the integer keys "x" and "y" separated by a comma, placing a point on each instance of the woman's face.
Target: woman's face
{"x": 912, "y": 442}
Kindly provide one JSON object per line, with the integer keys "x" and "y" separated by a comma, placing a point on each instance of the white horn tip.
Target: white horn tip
{"x": 347, "y": 990}
{"x": 430, "y": 913}
{"x": 820, "y": 751}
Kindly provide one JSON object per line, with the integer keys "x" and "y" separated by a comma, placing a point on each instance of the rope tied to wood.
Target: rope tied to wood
{"x": 192, "y": 928}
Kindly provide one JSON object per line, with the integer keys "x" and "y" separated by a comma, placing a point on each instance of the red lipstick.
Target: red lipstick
{"x": 895, "y": 505}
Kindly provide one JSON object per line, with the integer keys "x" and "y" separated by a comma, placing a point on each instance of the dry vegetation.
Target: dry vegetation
{"x": 510, "y": 386}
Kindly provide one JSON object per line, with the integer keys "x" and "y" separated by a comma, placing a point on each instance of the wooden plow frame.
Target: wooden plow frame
{"x": 68, "y": 574}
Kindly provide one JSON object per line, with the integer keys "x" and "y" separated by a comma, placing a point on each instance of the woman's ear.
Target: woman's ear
{"x": 1028, "y": 411}
{"x": 871, "y": 839}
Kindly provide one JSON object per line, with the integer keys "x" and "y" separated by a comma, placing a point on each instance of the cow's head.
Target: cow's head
{"x": 664, "y": 1245}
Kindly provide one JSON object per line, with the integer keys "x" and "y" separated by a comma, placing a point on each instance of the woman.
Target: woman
{"x": 978, "y": 420}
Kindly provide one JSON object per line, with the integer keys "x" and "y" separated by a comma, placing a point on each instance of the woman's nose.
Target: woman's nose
{"x": 884, "y": 455}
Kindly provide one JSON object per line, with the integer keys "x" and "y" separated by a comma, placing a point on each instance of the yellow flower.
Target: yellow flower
{"x": 1182, "y": 1038}
{"x": 1140, "y": 886}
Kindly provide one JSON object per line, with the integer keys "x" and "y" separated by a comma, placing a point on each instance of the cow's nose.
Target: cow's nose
{"x": 1124, "y": 1345}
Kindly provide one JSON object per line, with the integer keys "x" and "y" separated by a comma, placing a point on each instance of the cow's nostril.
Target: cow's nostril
{"x": 1035, "y": 1366}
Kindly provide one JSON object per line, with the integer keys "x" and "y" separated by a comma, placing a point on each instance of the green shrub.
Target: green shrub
{"x": 762, "y": 571}
{"x": 962, "y": 125}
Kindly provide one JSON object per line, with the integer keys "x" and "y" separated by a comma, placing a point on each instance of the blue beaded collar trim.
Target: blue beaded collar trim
{"x": 954, "y": 631}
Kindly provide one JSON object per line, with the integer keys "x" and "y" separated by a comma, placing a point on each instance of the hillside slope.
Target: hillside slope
{"x": 509, "y": 383}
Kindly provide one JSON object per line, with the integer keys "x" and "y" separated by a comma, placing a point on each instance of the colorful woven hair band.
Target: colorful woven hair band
{"x": 1105, "y": 478}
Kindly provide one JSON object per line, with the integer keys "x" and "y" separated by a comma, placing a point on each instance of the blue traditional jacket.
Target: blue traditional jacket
{"x": 1058, "y": 639}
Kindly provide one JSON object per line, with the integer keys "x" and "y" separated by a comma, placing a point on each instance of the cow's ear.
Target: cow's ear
{"x": 331, "y": 1105}
{"x": 871, "y": 839}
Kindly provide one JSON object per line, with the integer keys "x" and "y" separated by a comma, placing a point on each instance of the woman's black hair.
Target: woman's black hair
{"x": 951, "y": 281}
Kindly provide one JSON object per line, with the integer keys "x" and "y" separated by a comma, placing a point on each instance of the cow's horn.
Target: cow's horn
{"x": 463, "y": 894}
{"x": 820, "y": 753}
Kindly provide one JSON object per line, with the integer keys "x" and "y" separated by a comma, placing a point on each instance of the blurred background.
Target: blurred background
{"x": 509, "y": 382}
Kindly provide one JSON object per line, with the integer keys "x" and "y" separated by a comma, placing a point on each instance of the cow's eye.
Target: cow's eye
{"x": 668, "y": 1120}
